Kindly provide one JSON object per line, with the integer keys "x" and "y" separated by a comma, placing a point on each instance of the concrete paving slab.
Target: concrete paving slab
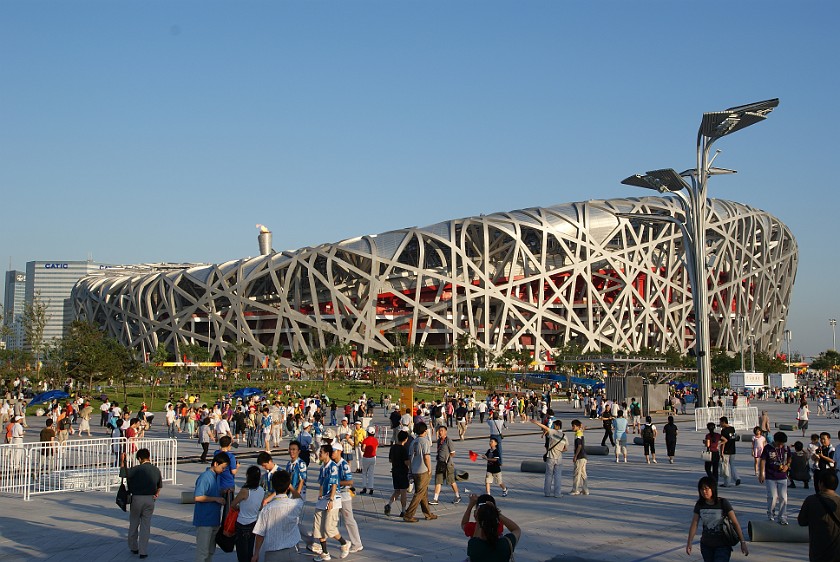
{"x": 636, "y": 512}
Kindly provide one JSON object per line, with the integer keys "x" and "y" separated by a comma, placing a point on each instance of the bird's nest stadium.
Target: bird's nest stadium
{"x": 579, "y": 274}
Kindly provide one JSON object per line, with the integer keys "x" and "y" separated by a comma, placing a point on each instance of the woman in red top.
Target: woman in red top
{"x": 369, "y": 445}
{"x": 712, "y": 442}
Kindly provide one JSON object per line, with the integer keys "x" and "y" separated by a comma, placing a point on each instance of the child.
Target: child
{"x": 799, "y": 469}
{"x": 580, "y": 484}
{"x": 759, "y": 441}
{"x": 494, "y": 467}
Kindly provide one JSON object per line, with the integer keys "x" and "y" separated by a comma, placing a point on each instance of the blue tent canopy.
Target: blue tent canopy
{"x": 48, "y": 396}
{"x": 246, "y": 392}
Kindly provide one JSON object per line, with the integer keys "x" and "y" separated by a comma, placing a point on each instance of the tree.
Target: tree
{"x": 299, "y": 359}
{"x": 826, "y": 360}
{"x": 85, "y": 352}
{"x": 35, "y": 318}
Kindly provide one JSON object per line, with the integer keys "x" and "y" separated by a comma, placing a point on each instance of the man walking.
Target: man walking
{"x": 144, "y": 484}
{"x": 727, "y": 466}
{"x": 421, "y": 468}
{"x": 207, "y": 513}
{"x": 444, "y": 466}
{"x": 773, "y": 473}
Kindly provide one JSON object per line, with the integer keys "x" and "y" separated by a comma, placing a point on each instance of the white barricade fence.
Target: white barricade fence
{"x": 743, "y": 418}
{"x": 739, "y": 418}
{"x": 703, "y": 416}
{"x": 84, "y": 464}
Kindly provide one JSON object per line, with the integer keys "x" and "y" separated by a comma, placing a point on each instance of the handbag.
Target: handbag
{"x": 706, "y": 455}
{"x": 123, "y": 496}
{"x": 730, "y": 534}
{"x": 229, "y": 526}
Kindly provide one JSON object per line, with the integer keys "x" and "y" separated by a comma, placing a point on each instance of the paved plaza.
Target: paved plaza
{"x": 635, "y": 512}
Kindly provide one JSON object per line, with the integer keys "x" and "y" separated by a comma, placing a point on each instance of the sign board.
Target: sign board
{"x": 406, "y": 398}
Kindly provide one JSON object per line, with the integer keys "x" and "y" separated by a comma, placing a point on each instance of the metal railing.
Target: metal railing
{"x": 739, "y": 418}
{"x": 86, "y": 464}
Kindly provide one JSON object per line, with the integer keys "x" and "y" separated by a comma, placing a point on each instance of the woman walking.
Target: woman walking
{"x": 712, "y": 443}
{"x": 248, "y": 501}
{"x": 712, "y": 510}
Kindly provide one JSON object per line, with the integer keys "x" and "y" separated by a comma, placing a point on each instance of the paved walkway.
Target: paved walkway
{"x": 636, "y": 512}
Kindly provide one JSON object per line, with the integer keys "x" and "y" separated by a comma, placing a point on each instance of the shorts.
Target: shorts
{"x": 803, "y": 424}
{"x": 444, "y": 473}
{"x": 326, "y": 523}
{"x": 493, "y": 477}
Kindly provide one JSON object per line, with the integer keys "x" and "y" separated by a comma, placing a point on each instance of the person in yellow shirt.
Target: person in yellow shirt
{"x": 359, "y": 435}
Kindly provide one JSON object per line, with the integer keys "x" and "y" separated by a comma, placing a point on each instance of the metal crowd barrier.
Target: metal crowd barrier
{"x": 739, "y": 418}
{"x": 83, "y": 464}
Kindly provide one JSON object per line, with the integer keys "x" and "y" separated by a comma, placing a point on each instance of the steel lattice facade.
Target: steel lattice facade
{"x": 534, "y": 279}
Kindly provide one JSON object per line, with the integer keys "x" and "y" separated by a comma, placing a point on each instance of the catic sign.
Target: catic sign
{"x": 56, "y": 266}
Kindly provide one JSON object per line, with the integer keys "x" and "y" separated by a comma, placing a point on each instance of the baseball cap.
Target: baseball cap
{"x": 371, "y": 430}
{"x": 358, "y": 422}
{"x": 328, "y": 435}
{"x": 306, "y": 424}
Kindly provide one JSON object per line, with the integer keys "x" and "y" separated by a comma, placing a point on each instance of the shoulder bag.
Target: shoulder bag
{"x": 730, "y": 534}
{"x": 510, "y": 545}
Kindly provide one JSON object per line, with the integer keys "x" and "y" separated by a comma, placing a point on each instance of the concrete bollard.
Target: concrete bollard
{"x": 638, "y": 441}
{"x": 461, "y": 475}
{"x": 595, "y": 450}
{"x": 187, "y": 497}
{"x": 770, "y": 531}
{"x": 784, "y": 427}
{"x": 532, "y": 466}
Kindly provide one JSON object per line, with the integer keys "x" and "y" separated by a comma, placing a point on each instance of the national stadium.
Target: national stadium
{"x": 585, "y": 275}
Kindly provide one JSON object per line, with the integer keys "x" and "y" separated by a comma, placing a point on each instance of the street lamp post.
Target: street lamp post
{"x": 692, "y": 198}
{"x": 833, "y": 323}
{"x": 788, "y": 337}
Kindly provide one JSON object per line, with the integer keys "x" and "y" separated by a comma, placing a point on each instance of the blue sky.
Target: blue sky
{"x": 164, "y": 131}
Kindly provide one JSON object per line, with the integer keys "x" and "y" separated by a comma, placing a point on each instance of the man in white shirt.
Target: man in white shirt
{"x": 277, "y": 529}
{"x": 222, "y": 429}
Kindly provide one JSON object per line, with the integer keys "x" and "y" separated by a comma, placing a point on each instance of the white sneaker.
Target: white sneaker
{"x": 315, "y": 547}
{"x": 345, "y": 550}
{"x": 323, "y": 557}
{"x": 356, "y": 548}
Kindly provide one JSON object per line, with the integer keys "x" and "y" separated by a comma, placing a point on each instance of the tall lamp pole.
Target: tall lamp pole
{"x": 788, "y": 337}
{"x": 692, "y": 198}
{"x": 833, "y": 323}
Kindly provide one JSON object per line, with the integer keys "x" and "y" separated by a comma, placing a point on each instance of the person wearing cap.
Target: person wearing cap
{"x": 369, "y": 445}
{"x": 555, "y": 444}
{"x": 359, "y": 435}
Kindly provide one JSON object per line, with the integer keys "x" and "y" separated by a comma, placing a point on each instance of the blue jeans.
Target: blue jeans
{"x": 716, "y": 554}
{"x": 776, "y": 498}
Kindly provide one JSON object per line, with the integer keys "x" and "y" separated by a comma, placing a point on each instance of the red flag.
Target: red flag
{"x": 473, "y": 456}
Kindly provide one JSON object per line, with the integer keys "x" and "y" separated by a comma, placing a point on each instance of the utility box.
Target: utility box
{"x": 782, "y": 380}
{"x": 746, "y": 380}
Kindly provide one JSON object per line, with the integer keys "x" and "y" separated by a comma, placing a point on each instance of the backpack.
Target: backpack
{"x": 635, "y": 409}
{"x": 647, "y": 432}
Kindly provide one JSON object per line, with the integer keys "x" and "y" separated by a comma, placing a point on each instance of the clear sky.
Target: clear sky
{"x": 165, "y": 130}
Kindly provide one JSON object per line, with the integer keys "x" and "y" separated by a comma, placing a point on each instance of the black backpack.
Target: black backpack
{"x": 647, "y": 432}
